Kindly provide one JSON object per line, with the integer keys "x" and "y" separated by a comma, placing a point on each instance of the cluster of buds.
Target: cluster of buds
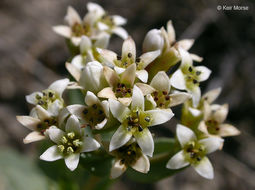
{"x": 127, "y": 94}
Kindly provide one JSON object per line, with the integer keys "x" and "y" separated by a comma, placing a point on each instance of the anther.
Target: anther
{"x": 129, "y": 55}
{"x": 190, "y": 69}
{"x": 77, "y": 142}
{"x": 94, "y": 106}
{"x": 61, "y": 148}
{"x": 70, "y": 150}
{"x": 147, "y": 118}
{"x": 164, "y": 92}
{"x": 167, "y": 97}
{"x": 71, "y": 135}
{"x": 85, "y": 111}
{"x": 140, "y": 129}
{"x": 64, "y": 140}
{"x": 198, "y": 73}
{"x": 118, "y": 57}
{"x": 100, "y": 112}
{"x": 195, "y": 81}
{"x": 138, "y": 59}
{"x": 50, "y": 94}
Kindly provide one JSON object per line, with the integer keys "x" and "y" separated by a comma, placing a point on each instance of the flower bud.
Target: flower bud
{"x": 153, "y": 41}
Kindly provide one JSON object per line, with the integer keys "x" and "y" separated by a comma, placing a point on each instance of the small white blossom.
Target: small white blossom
{"x": 153, "y": 40}
{"x": 194, "y": 152}
{"x": 69, "y": 144}
{"x": 135, "y": 122}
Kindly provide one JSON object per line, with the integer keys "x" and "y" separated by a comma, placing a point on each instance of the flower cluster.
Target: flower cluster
{"x": 125, "y": 95}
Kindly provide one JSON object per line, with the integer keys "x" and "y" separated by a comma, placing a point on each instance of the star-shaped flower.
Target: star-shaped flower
{"x": 129, "y": 155}
{"x": 128, "y": 57}
{"x": 94, "y": 114}
{"x": 135, "y": 122}
{"x": 69, "y": 144}
{"x": 194, "y": 152}
{"x": 213, "y": 121}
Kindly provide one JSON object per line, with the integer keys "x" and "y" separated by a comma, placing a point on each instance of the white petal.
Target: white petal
{"x": 63, "y": 114}
{"x": 120, "y": 138}
{"x": 121, "y": 32}
{"x": 205, "y": 73}
{"x": 31, "y": 98}
{"x": 108, "y": 56}
{"x": 118, "y": 110}
{"x": 93, "y": 7}
{"x": 211, "y": 95}
{"x": 55, "y": 107}
{"x": 72, "y": 17}
{"x": 196, "y": 57}
{"x": 195, "y": 112}
{"x": 196, "y": 95}
{"x": 145, "y": 88}
{"x": 59, "y": 86}
{"x": 76, "y": 40}
{"x": 89, "y": 144}
{"x": 228, "y": 130}
{"x": 204, "y": 168}
{"x": 184, "y": 134}
{"x": 102, "y": 41}
{"x": 72, "y": 161}
{"x": 148, "y": 57}
{"x": 202, "y": 127}
{"x": 151, "y": 103}
{"x": 119, "y": 70}
{"x": 142, "y": 164}
{"x": 125, "y": 101}
{"x": 106, "y": 107}
{"x": 137, "y": 99}
{"x": 160, "y": 116}
{"x": 212, "y": 144}
{"x": 179, "y": 98}
{"x": 111, "y": 76}
{"x": 117, "y": 169}
{"x": 142, "y": 75}
{"x": 153, "y": 41}
{"x": 177, "y": 161}
{"x": 85, "y": 44}
{"x": 63, "y": 31}
{"x": 101, "y": 26}
{"x": 129, "y": 47}
{"x": 170, "y": 32}
{"x": 55, "y": 134}
{"x": 42, "y": 113}
{"x": 101, "y": 125}
{"x": 76, "y": 109}
{"x": 128, "y": 76}
{"x": 177, "y": 80}
{"x": 107, "y": 93}
{"x": 28, "y": 122}
{"x": 73, "y": 125}
{"x": 51, "y": 154}
{"x": 186, "y": 43}
{"x": 91, "y": 98}
{"x": 185, "y": 57}
{"x": 161, "y": 82}
{"x": 33, "y": 137}
{"x": 74, "y": 68}
{"x": 145, "y": 141}
{"x": 119, "y": 20}
{"x": 221, "y": 113}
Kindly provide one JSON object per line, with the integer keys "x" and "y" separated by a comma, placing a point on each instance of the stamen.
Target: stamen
{"x": 147, "y": 118}
{"x": 85, "y": 111}
{"x": 71, "y": 135}
{"x": 118, "y": 57}
{"x": 64, "y": 140}
{"x": 70, "y": 150}
{"x": 140, "y": 129}
{"x": 195, "y": 81}
{"x": 61, "y": 148}
{"x": 198, "y": 73}
{"x": 190, "y": 69}
{"x": 129, "y": 55}
{"x": 94, "y": 106}
{"x": 138, "y": 59}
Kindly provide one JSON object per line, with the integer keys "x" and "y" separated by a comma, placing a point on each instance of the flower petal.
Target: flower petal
{"x": 125, "y": 101}
{"x": 111, "y": 76}
{"x": 137, "y": 99}
{"x": 119, "y": 111}
{"x": 153, "y": 41}
{"x": 145, "y": 141}
{"x": 107, "y": 56}
{"x": 212, "y": 144}
{"x": 93, "y": 7}
{"x": 160, "y": 116}
{"x": 51, "y": 154}
{"x": 91, "y": 99}
{"x": 121, "y": 32}
{"x": 107, "y": 93}
{"x": 142, "y": 164}
{"x": 150, "y": 102}
{"x": 170, "y": 32}
{"x": 196, "y": 57}
{"x": 102, "y": 41}
{"x": 102, "y": 26}
{"x": 63, "y": 31}
{"x": 117, "y": 169}
{"x": 76, "y": 109}
{"x": 177, "y": 161}
{"x": 228, "y": 130}
{"x": 196, "y": 95}
{"x": 85, "y": 44}
{"x": 142, "y": 75}
{"x": 179, "y": 98}
{"x": 129, "y": 47}
{"x": 59, "y": 86}
{"x": 148, "y": 57}
{"x": 72, "y": 17}
{"x": 72, "y": 161}
{"x": 128, "y": 76}
{"x": 119, "y": 20}
{"x": 204, "y": 168}
{"x": 184, "y": 134}
{"x": 73, "y": 125}
{"x": 89, "y": 144}
{"x": 55, "y": 107}
{"x": 33, "y": 137}
{"x": 195, "y": 112}
{"x": 145, "y": 88}
{"x": 55, "y": 134}
{"x": 177, "y": 80}
{"x": 185, "y": 57}
{"x": 28, "y": 122}
{"x": 101, "y": 125}
{"x": 211, "y": 95}
{"x": 205, "y": 73}
{"x": 120, "y": 138}
{"x": 31, "y": 98}
{"x": 74, "y": 68}
{"x": 221, "y": 113}
{"x": 161, "y": 82}
{"x": 42, "y": 113}
{"x": 185, "y": 44}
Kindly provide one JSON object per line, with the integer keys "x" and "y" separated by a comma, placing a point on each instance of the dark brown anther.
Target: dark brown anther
{"x": 195, "y": 81}
{"x": 198, "y": 73}
{"x": 156, "y": 98}
{"x": 147, "y": 118}
{"x": 125, "y": 63}
{"x": 190, "y": 69}
{"x": 137, "y": 113}
{"x": 122, "y": 161}
{"x": 91, "y": 119}
{"x": 164, "y": 92}
{"x": 129, "y": 90}
{"x": 41, "y": 102}
{"x": 155, "y": 93}
{"x": 39, "y": 126}
{"x": 140, "y": 129}
{"x": 50, "y": 94}
{"x": 44, "y": 94}
{"x": 85, "y": 111}
{"x": 161, "y": 105}
{"x": 198, "y": 158}
{"x": 133, "y": 152}
{"x": 138, "y": 59}
{"x": 46, "y": 121}
{"x": 100, "y": 112}
{"x": 118, "y": 57}
{"x": 122, "y": 85}
{"x": 118, "y": 90}
{"x": 167, "y": 98}
{"x": 94, "y": 106}
{"x": 129, "y": 55}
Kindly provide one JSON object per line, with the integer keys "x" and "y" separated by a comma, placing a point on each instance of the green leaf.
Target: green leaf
{"x": 165, "y": 148}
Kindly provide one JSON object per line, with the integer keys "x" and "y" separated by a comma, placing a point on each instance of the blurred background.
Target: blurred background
{"x": 32, "y": 56}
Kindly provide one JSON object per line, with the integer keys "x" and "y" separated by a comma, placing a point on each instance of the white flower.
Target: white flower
{"x": 161, "y": 97}
{"x": 187, "y": 77}
{"x": 213, "y": 121}
{"x": 69, "y": 144}
{"x": 121, "y": 85}
{"x": 128, "y": 57}
{"x": 129, "y": 155}
{"x": 194, "y": 152}
{"x": 135, "y": 122}
{"x": 153, "y": 40}
{"x": 50, "y": 98}
{"x": 94, "y": 114}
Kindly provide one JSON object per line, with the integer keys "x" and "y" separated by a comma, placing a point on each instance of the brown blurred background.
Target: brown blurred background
{"x": 32, "y": 56}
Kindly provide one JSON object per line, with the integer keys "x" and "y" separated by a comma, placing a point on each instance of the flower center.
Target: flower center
{"x": 94, "y": 114}
{"x": 161, "y": 98}
{"x": 137, "y": 120}
{"x": 79, "y": 30}
{"x": 212, "y": 126}
{"x": 70, "y": 143}
{"x": 123, "y": 90}
{"x": 48, "y": 97}
{"x": 194, "y": 152}
{"x": 191, "y": 76}
{"x": 108, "y": 20}
{"x": 128, "y": 60}
{"x": 45, "y": 124}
